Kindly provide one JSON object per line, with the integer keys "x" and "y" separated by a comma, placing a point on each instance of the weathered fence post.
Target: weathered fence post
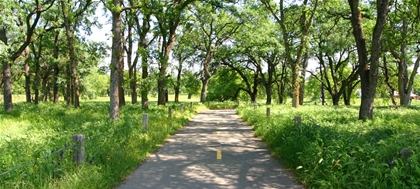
{"x": 298, "y": 120}
{"x": 182, "y": 108}
{"x": 79, "y": 148}
{"x": 191, "y": 104}
{"x": 170, "y": 112}
{"x": 145, "y": 122}
{"x": 268, "y": 112}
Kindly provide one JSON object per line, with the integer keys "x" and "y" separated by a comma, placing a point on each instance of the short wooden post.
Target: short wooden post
{"x": 268, "y": 112}
{"x": 145, "y": 121}
{"x": 298, "y": 120}
{"x": 170, "y": 112}
{"x": 79, "y": 148}
{"x": 191, "y": 104}
{"x": 255, "y": 106}
{"x": 182, "y": 108}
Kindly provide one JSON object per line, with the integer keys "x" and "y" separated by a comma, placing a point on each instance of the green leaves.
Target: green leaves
{"x": 331, "y": 149}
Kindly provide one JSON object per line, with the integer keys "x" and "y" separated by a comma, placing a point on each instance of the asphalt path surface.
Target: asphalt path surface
{"x": 216, "y": 149}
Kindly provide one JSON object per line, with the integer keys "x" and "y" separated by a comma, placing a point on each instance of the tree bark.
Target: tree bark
{"x": 145, "y": 83}
{"x": 368, "y": 72}
{"x": 27, "y": 83}
{"x": 203, "y": 96}
{"x": 72, "y": 55}
{"x": 116, "y": 59}
{"x": 7, "y": 86}
{"x": 56, "y": 68}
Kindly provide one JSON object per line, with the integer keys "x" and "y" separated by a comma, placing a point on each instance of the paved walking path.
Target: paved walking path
{"x": 216, "y": 149}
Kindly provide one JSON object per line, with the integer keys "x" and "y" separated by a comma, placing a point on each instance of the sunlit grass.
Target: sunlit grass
{"x": 36, "y": 142}
{"x": 333, "y": 149}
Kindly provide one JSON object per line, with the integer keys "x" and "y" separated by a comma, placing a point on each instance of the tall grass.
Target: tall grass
{"x": 36, "y": 147}
{"x": 333, "y": 149}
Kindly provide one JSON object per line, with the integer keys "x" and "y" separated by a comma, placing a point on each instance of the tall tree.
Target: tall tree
{"x": 15, "y": 15}
{"x": 168, "y": 15}
{"x": 215, "y": 25}
{"x": 73, "y": 14}
{"x": 283, "y": 16}
{"x": 368, "y": 67}
{"x": 401, "y": 40}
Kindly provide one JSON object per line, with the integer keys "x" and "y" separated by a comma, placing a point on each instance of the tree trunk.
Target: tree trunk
{"x": 368, "y": 72}
{"x": 268, "y": 92}
{"x": 121, "y": 80}
{"x": 72, "y": 55}
{"x": 7, "y": 84}
{"x": 55, "y": 82}
{"x": 203, "y": 96}
{"x": 56, "y": 68}
{"x": 296, "y": 88}
{"x": 27, "y": 83}
{"x": 145, "y": 84}
{"x": 335, "y": 99}
{"x": 116, "y": 59}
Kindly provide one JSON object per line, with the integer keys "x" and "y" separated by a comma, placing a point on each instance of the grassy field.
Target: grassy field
{"x": 36, "y": 143}
{"x": 330, "y": 149}
{"x": 333, "y": 149}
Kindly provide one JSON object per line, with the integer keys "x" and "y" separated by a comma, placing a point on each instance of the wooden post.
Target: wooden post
{"x": 182, "y": 108}
{"x": 268, "y": 112}
{"x": 298, "y": 120}
{"x": 255, "y": 106}
{"x": 145, "y": 122}
{"x": 191, "y": 104}
{"x": 79, "y": 148}
{"x": 170, "y": 112}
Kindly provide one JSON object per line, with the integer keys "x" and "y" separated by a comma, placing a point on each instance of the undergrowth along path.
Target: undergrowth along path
{"x": 216, "y": 149}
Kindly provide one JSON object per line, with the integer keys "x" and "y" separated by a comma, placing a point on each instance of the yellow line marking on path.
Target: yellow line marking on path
{"x": 219, "y": 154}
{"x": 217, "y": 133}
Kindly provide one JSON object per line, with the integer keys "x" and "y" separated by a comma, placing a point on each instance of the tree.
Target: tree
{"x": 73, "y": 15}
{"x": 368, "y": 67}
{"x": 16, "y": 15}
{"x": 401, "y": 40}
{"x": 214, "y": 26}
{"x": 283, "y": 16}
{"x": 169, "y": 15}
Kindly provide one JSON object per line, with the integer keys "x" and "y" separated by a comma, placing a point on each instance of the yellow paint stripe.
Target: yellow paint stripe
{"x": 219, "y": 154}
{"x": 217, "y": 133}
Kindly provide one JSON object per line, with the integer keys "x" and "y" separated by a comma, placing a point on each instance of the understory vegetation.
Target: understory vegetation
{"x": 36, "y": 143}
{"x": 331, "y": 148}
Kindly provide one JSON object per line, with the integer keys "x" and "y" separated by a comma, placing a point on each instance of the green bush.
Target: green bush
{"x": 36, "y": 146}
{"x": 333, "y": 149}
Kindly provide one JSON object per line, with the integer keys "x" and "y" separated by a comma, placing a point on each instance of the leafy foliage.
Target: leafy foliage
{"x": 330, "y": 149}
{"x": 37, "y": 149}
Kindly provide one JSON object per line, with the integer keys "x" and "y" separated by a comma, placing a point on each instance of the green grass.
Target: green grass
{"x": 36, "y": 143}
{"x": 333, "y": 149}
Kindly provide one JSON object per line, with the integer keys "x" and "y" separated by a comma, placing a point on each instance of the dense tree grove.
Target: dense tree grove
{"x": 218, "y": 49}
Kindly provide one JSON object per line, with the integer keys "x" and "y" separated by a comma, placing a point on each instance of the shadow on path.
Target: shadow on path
{"x": 216, "y": 149}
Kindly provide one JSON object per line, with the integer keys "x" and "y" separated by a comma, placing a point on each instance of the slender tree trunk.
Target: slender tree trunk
{"x": 205, "y": 83}
{"x": 56, "y": 68}
{"x": 7, "y": 86}
{"x": 145, "y": 84}
{"x": 121, "y": 81}
{"x": 55, "y": 82}
{"x": 27, "y": 83}
{"x": 116, "y": 59}
{"x": 268, "y": 92}
{"x": 72, "y": 55}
